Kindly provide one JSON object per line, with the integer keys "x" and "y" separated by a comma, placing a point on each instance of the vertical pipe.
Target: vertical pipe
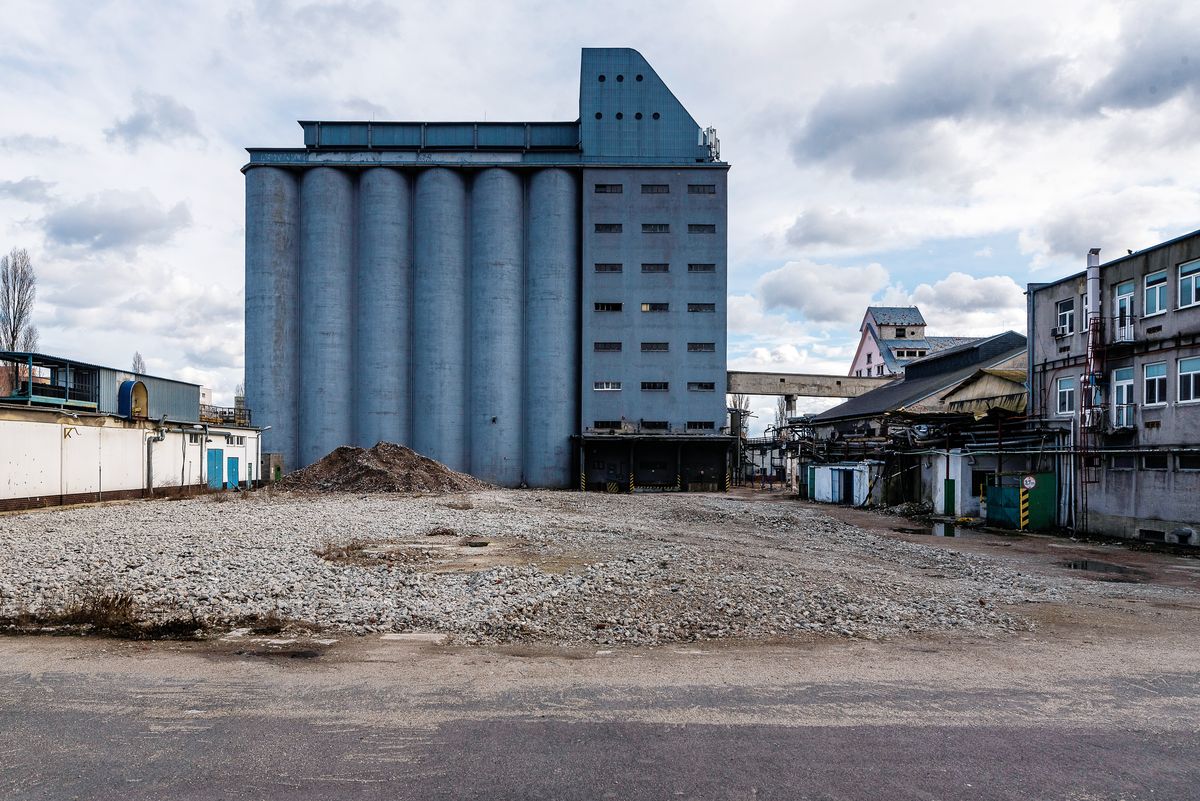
{"x": 327, "y": 309}
{"x": 382, "y": 341}
{"x": 439, "y": 362}
{"x": 273, "y": 307}
{"x": 552, "y": 328}
{"x": 497, "y": 306}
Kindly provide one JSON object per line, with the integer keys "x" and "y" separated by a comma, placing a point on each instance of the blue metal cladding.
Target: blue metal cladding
{"x": 551, "y": 327}
{"x": 176, "y": 400}
{"x": 439, "y": 363}
{"x": 382, "y": 344}
{"x": 327, "y": 207}
{"x": 273, "y": 308}
{"x": 627, "y": 113}
{"x": 496, "y": 320}
{"x": 678, "y": 286}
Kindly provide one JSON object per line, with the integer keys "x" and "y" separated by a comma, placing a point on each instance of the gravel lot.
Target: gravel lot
{"x": 557, "y": 567}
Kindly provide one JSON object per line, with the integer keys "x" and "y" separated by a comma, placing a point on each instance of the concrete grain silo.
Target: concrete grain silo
{"x": 438, "y": 285}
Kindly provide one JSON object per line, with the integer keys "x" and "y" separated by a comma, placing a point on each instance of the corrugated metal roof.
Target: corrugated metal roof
{"x": 912, "y": 389}
{"x": 896, "y": 315}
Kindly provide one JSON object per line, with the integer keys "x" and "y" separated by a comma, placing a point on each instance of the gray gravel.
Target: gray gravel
{"x": 563, "y": 568}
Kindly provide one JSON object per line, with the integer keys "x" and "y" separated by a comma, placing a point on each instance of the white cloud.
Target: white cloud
{"x": 821, "y": 292}
{"x": 961, "y": 305}
{"x": 866, "y": 142}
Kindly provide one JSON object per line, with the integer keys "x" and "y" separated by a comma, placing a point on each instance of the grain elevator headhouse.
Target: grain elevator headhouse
{"x": 536, "y": 303}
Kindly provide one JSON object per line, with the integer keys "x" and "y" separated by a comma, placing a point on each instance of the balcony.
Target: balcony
{"x": 1124, "y": 415}
{"x": 1121, "y": 329}
{"x": 225, "y": 415}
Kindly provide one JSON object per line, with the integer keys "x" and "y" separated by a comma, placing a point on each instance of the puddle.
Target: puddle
{"x": 301, "y": 653}
{"x": 1105, "y": 571}
{"x": 938, "y": 529}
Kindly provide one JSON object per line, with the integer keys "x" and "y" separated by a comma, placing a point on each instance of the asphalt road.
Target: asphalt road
{"x": 1039, "y": 718}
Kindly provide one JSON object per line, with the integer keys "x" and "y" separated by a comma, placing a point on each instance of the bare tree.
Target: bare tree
{"x": 139, "y": 364}
{"x": 781, "y": 415}
{"x": 18, "y": 288}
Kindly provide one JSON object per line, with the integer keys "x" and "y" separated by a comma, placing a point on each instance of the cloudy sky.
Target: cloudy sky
{"x": 943, "y": 154}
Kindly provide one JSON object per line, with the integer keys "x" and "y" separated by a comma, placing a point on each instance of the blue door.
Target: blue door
{"x": 233, "y": 472}
{"x": 216, "y": 461}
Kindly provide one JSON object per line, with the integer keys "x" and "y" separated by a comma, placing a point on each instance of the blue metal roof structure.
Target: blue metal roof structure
{"x": 627, "y": 115}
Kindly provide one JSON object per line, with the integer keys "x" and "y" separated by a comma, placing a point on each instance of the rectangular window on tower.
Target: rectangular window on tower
{"x": 656, "y": 228}
{"x": 704, "y": 267}
{"x": 656, "y": 189}
{"x": 1189, "y": 380}
{"x": 1156, "y": 293}
{"x": 656, "y": 267}
{"x": 1066, "y": 396}
{"x": 702, "y": 307}
{"x": 608, "y": 228}
{"x": 609, "y": 267}
{"x": 1154, "y": 388}
{"x": 702, "y": 347}
{"x": 1189, "y": 284}
{"x": 655, "y": 347}
{"x": 702, "y": 228}
{"x": 609, "y": 189}
{"x": 702, "y": 189}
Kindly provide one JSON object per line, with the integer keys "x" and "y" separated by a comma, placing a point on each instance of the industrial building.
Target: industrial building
{"x": 1114, "y": 367}
{"x": 891, "y": 337}
{"x": 73, "y": 432}
{"x": 536, "y": 303}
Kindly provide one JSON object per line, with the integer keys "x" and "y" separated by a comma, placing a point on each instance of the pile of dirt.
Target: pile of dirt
{"x": 387, "y": 467}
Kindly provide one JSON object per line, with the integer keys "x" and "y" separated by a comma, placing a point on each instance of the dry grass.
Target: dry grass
{"x": 109, "y": 614}
{"x": 349, "y": 551}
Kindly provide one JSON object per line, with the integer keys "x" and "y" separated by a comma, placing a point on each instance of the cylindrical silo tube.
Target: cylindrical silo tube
{"x": 327, "y": 312}
{"x": 551, "y": 328}
{"x": 440, "y": 293}
{"x": 273, "y": 308}
{"x": 381, "y": 386}
{"x": 496, "y": 325}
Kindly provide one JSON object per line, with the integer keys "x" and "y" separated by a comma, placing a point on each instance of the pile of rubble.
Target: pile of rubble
{"x": 387, "y": 467}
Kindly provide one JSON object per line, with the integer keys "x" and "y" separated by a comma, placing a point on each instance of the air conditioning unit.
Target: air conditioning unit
{"x": 1059, "y": 331}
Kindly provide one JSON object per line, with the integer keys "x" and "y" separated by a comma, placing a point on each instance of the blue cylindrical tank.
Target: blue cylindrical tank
{"x": 497, "y": 322}
{"x": 440, "y": 292}
{"x": 326, "y": 303}
{"x": 551, "y": 328}
{"x": 384, "y": 302}
{"x": 273, "y": 307}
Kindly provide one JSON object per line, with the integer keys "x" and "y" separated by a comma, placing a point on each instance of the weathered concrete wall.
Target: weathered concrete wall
{"x": 1129, "y": 497}
{"x": 46, "y": 454}
{"x": 802, "y": 384}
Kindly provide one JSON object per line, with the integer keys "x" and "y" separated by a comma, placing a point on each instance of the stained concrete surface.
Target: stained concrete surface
{"x": 1100, "y": 703}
